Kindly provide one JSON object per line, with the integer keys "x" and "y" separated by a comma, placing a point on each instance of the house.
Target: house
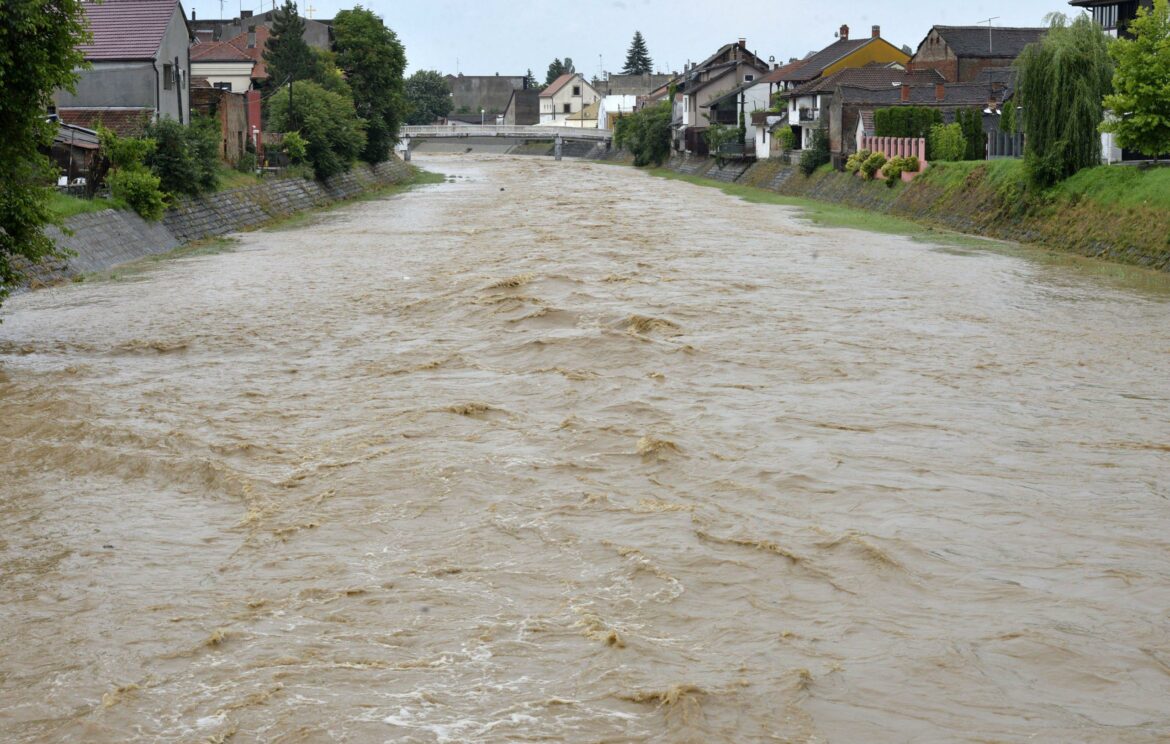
{"x": 139, "y": 67}
{"x": 566, "y": 95}
{"x": 1112, "y": 15}
{"x": 730, "y": 67}
{"x": 490, "y": 94}
{"x": 741, "y": 103}
{"x": 961, "y": 53}
{"x": 236, "y": 65}
{"x": 318, "y": 33}
{"x": 805, "y": 102}
{"x": 523, "y": 108}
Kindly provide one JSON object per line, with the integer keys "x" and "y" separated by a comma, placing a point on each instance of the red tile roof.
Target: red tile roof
{"x": 557, "y": 84}
{"x": 127, "y": 29}
{"x": 217, "y": 51}
{"x": 125, "y": 122}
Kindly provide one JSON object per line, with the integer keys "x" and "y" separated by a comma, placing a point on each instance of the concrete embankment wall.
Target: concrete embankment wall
{"x": 1139, "y": 236}
{"x": 104, "y": 239}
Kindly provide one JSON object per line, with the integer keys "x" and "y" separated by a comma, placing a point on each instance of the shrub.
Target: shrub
{"x": 905, "y": 121}
{"x": 895, "y": 167}
{"x": 946, "y": 142}
{"x": 971, "y": 122}
{"x": 645, "y": 134}
{"x": 872, "y": 165}
{"x": 140, "y": 189}
{"x": 293, "y": 146}
{"x": 787, "y": 138}
{"x": 853, "y": 164}
{"x": 247, "y": 163}
{"x": 185, "y": 158}
{"x": 817, "y": 154}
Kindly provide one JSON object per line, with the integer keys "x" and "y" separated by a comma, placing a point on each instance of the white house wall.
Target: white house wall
{"x": 237, "y": 74}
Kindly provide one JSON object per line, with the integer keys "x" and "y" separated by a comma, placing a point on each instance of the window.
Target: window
{"x": 223, "y": 86}
{"x": 1106, "y": 15}
{"x": 576, "y": 90}
{"x": 168, "y": 77}
{"x": 748, "y": 78}
{"x": 567, "y": 109}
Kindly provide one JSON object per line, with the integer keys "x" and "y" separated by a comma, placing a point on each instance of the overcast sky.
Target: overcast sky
{"x": 483, "y": 37}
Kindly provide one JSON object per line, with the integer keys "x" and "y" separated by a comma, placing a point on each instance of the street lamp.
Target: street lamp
{"x": 481, "y": 117}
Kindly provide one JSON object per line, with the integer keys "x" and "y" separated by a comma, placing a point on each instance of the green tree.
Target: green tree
{"x": 557, "y": 68}
{"x": 529, "y": 80}
{"x": 428, "y": 97}
{"x": 946, "y": 142}
{"x": 971, "y": 122}
{"x": 334, "y": 134}
{"x": 373, "y": 60}
{"x": 638, "y": 60}
{"x": 1062, "y": 81}
{"x": 286, "y": 54}
{"x": 129, "y": 178}
{"x": 38, "y": 54}
{"x": 645, "y": 134}
{"x": 1141, "y": 82}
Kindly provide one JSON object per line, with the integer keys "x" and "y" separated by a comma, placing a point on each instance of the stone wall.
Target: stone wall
{"x": 100, "y": 240}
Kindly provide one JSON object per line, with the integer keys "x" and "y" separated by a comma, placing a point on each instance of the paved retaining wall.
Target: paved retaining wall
{"x": 100, "y": 240}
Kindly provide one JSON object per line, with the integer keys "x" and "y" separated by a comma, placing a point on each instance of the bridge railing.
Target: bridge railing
{"x": 504, "y": 130}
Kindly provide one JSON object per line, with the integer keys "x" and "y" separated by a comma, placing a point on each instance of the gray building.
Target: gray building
{"x": 318, "y": 33}
{"x": 139, "y": 67}
{"x": 470, "y": 93}
{"x": 523, "y": 108}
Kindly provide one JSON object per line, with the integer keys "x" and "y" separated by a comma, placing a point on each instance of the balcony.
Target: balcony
{"x": 810, "y": 114}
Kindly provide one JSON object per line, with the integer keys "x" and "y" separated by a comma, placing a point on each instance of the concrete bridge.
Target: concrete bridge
{"x": 558, "y": 135}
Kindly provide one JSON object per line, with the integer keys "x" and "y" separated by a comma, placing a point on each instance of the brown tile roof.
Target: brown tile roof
{"x": 125, "y": 122}
{"x": 127, "y": 29}
{"x": 815, "y": 64}
{"x": 870, "y": 76}
{"x": 557, "y": 84}
{"x": 781, "y": 72}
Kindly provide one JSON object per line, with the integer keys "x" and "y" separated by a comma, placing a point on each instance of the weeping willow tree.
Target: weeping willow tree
{"x": 1062, "y": 81}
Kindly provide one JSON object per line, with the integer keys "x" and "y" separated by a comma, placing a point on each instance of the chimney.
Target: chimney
{"x": 940, "y": 92}
{"x": 843, "y": 34}
{"x": 875, "y": 32}
{"x": 905, "y": 93}
{"x": 252, "y": 39}
{"x": 192, "y": 14}
{"x": 742, "y": 43}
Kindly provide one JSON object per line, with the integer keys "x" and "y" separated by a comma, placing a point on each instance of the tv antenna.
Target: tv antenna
{"x": 989, "y": 41}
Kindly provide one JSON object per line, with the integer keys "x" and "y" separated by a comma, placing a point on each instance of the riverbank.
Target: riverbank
{"x": 97, "y": 241}
{"x": 1118, "y": 214}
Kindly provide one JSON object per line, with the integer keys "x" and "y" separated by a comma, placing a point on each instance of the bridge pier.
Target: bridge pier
{"x": 406, "y": 150}
{"x": 559, "y": 146}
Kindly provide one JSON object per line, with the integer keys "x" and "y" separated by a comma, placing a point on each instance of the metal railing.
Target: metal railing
{"x": 810, "y": 114}
{"x": 504, "y": 130}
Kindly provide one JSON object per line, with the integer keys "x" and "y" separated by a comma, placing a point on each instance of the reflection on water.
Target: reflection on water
{"x": 559, "y": 451}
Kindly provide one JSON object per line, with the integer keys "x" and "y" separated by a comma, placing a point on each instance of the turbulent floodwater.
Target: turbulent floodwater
{"x": 563, "y": 452}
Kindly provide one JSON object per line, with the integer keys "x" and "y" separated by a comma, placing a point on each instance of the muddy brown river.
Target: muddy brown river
{"x": 566, "y": 452}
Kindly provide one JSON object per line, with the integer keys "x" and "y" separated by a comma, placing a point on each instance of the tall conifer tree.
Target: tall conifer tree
{"x": 287, "y": 55}
{"x": 638, "y": 60}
